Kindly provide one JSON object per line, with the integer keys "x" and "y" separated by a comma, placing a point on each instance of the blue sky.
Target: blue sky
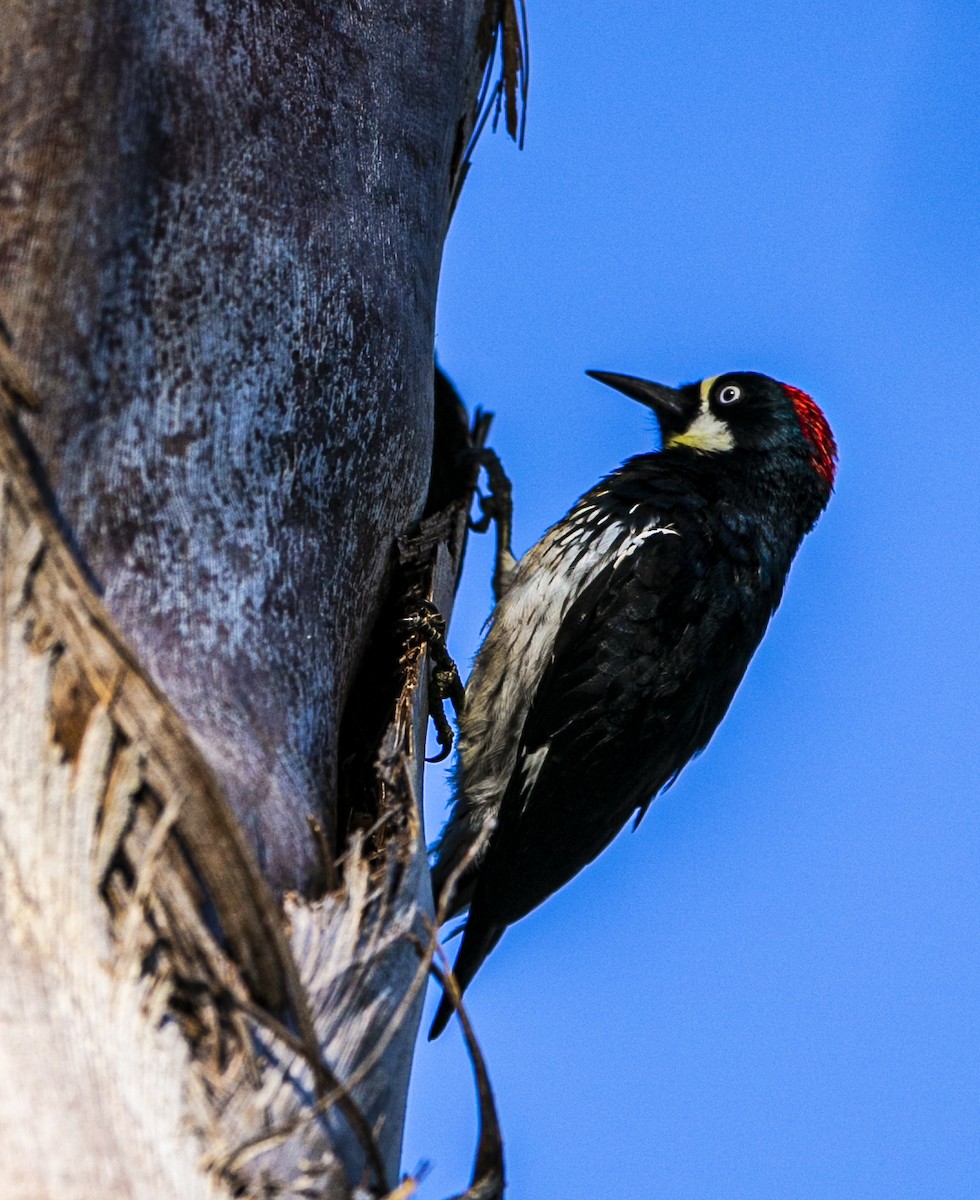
{"x": 772, "y": 989}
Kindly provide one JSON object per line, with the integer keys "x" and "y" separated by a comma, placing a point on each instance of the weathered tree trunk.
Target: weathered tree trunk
{"x": 221, "y": 224}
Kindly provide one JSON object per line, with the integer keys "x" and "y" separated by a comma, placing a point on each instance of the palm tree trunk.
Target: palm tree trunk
{"x": 221, "y": 224}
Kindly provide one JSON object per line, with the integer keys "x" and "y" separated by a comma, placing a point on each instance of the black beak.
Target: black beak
{"x": 674, "y": 408}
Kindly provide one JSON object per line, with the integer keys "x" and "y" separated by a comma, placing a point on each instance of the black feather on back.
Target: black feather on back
{"x": 645, "y": 665}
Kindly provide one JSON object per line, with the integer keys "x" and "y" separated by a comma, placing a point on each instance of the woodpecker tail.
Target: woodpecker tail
{"x": 463, "y": 888}
{"x": 458, "y": 853}
{"x": 476, "y": 945}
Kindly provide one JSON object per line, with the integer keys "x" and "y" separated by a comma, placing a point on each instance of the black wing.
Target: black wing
{"x": 645, "y": 666}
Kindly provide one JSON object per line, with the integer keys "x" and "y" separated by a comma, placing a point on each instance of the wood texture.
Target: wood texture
{"x": 221, "y": 223}
{"x": 149, "y": 982}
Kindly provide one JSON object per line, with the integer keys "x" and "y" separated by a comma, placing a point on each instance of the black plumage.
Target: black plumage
{"x": 618, "y": 649}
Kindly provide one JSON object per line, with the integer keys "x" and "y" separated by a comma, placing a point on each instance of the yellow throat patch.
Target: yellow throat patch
{"x": 706, "y": 432}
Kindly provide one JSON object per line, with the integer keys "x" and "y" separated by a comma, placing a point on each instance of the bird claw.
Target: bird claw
{"x": 488, "y": 511}
{"x": 444, "y": 682}
{"x": 444, "y": 731}
{"x": 496, "y": 508}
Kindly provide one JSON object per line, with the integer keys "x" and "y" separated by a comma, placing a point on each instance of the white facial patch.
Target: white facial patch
{"x": 706, "y": 432}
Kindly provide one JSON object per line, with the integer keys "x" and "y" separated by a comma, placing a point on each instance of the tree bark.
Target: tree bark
{"x": 221, "y": 224}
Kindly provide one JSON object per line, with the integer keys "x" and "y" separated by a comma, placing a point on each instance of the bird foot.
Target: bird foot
{"x": 497, "y": 508}
{"x": 429, "y": 625}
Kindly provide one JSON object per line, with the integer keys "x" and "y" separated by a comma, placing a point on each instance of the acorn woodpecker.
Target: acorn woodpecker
{"x": 617, "y": 647}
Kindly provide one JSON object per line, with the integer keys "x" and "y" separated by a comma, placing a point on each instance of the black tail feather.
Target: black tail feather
{"x": 475, "y": 947}
{"x": 463, "y": 887}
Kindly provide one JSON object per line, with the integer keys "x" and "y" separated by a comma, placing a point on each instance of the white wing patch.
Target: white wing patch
{"x": 518, "y": 650}
{"x": 632, "y": 544}
{"x": 531, "y": 766}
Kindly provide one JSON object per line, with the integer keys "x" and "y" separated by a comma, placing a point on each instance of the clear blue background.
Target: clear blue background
{"x": 772, "y": 989}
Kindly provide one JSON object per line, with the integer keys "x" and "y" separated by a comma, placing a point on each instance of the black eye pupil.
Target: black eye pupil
{"x": 728, "y": 395}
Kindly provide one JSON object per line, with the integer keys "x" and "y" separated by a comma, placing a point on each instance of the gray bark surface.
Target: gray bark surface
{"x": 221, "y": 224}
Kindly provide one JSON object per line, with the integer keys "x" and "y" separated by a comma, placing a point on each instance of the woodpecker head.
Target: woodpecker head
{"x": 738, "y": 411}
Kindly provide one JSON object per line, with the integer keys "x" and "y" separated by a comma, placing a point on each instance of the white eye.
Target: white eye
{"x": 729, "y": 394}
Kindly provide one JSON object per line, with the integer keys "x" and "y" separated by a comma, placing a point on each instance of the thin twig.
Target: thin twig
{"x": 339, "y": 1093}
{"x": 427, "y": 951}
{"x": 510, "y": 37}
{"x": 145, "y": 873}
{"x": 487, "y": 1182}
{"x": 330, "y": 872}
